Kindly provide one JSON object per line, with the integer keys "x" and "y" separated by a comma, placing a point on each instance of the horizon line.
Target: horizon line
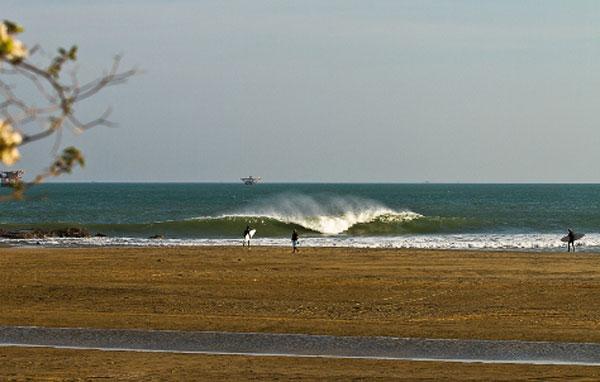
{"x": 325, "y": 182}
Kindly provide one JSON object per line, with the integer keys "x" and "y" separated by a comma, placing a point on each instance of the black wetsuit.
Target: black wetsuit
{"x": 571, "y": 242}
{"x": 294, "y": 241}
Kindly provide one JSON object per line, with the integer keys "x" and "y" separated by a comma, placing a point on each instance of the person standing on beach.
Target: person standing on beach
{"x": 294, "y": 241}
{"x": 246, "y": 236}
{"x": 571, "y": 242}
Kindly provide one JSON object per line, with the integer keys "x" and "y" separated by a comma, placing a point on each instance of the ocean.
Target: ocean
{"x": 446, "y": 216}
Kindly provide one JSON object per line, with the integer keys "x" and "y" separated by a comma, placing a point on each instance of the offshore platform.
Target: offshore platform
{"x": 251, "y": 180}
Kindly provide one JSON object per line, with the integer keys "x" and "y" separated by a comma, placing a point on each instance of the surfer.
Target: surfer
{"x": 571, "y": 241}
{"x": 294, "y": 241}
{"x": 246, "y": 235}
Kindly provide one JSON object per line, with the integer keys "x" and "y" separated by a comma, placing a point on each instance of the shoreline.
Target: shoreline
{"x": 475, "y": 242}
{"x": 400, "y": 250}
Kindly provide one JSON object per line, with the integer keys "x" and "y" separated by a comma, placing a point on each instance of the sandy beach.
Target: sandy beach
{"x": 59, "y": 365}
{"x": 407, "y": 293}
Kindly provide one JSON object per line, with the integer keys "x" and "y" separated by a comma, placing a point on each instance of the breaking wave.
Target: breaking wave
{"x": 331, "y": 217}
{"x": 277, "y": 216}
{"x": 321, "y": 221}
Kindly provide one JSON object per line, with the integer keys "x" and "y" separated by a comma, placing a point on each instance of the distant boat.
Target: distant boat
{"x": 251, "y": 180}
{"x": 9, "y": 178}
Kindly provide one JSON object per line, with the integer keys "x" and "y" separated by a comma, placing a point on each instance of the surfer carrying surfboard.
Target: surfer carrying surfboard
{"x": 247, "y": 235}
{"x": 294, "y": 241}
{"x": 571, "y": 238}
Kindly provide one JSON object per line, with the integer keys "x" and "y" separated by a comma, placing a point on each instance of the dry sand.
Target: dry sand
{"x": 412, "y": 293}
{"x": 60, "y": 365}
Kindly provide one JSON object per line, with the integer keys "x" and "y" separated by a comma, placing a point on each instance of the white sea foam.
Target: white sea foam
{"x": 529, "y": 242}
{"x": 327, "y": 215}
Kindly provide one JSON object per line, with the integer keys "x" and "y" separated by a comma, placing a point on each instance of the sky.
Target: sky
{"x": 332, "y": 91}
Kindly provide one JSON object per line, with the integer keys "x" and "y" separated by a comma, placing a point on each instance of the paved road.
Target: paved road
{"x": 302, "y": 345}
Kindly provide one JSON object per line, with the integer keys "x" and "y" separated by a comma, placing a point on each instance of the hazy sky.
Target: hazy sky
{"x": 374, "y": 91}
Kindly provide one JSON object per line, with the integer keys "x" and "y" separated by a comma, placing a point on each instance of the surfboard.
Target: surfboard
{"x": 578, "y": 236}
{"x": 250, "y": 235}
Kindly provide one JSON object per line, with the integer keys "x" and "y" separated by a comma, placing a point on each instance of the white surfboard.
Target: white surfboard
{"x": 251, "y": 233}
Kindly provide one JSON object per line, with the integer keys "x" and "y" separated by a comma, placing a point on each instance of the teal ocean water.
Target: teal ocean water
{"x": 500, "y": 216}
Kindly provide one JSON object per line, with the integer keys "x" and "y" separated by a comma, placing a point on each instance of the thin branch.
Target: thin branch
{"x": 55, "y": 124}
{"x": 58, "y": 88}
{"x": 38, "y": 84}
{"x": 59, "y": 111}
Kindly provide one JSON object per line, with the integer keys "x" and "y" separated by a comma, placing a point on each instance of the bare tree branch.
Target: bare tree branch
{"x": 59, "y": 99}
{"x": 64, "y": 97}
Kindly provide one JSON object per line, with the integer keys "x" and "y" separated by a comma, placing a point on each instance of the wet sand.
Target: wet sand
{"x": 304, "y": 345}
{"x": 405, "y": 293}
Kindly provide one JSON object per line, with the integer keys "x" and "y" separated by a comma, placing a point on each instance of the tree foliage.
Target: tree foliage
{"x": 58, "y": 92}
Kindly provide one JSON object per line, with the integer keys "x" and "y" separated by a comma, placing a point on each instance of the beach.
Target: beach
{"x": 59, "y": 365}
{"x": 338, "y": 291}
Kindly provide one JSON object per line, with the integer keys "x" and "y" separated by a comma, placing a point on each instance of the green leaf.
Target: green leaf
{"x": 13, "y": 28}
{"x": 73, "y": 53}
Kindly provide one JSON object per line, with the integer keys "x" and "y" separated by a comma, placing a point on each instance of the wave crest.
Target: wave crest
{"x": 313, "y": 216}
{"x": 326, "y": 215}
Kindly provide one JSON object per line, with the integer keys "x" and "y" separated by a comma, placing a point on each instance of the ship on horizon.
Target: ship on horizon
{"x": 251, "y": 180}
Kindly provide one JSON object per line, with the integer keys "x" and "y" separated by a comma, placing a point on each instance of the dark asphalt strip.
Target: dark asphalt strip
{"x": 305, "y": 345}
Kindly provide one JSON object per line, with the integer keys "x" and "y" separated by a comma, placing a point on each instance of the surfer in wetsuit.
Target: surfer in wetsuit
{"x": 294, "y": 241}
{"x": 571, "y": 241}
{"x": 246, "y": 236}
